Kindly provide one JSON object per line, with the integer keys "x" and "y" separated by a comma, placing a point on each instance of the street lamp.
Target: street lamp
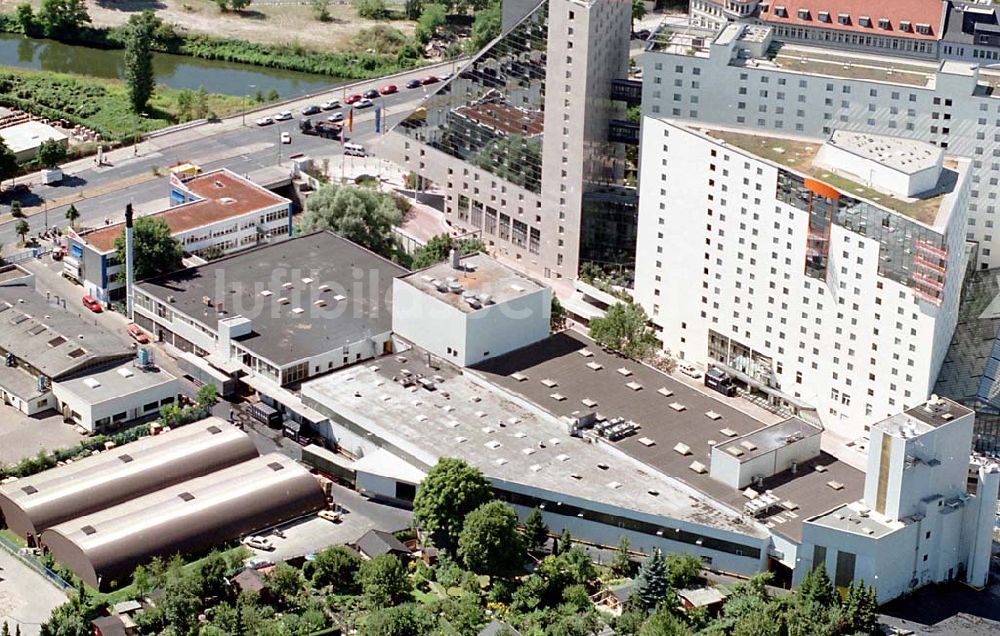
{"x": 246, "y": 96}
{"x": 135, "y": 139}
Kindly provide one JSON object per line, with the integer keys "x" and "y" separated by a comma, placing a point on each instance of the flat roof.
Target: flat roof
{"x": 115, "y": 382}
{"x": 19, "y": 382}
{"x": 904, "y": 155}
{"x": 922, "y": 418}
{"x": 30, "y": 134}
{"x": 799, "y": 155}
{"x": 680, "y": 414}
{"x": 34, "y": 503}
{"x": 857, "y": 518}
{"x": 510, "y": 442}
{"x": 53, "y": 338}
{"x": 354, "y": 284}
{"x": 770, "y": 438}
{"x": 479, "y": 274}
{"x": 222, "y": 195}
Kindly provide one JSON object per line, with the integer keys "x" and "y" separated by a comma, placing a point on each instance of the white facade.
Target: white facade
{"x": 113, "y": 397}
{"x": 722, "y": 269}
{"x": 919, "y": 522}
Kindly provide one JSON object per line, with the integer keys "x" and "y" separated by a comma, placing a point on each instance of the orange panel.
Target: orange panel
{"x": 822, "y": 189}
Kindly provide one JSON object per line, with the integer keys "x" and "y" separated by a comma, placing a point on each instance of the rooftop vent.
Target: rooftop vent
{"x": 126, "y": 458}
{"x": 214, "y": 430}
{"x": 276, "y": 466}
{"x": 29, "y": 490}
{"x": 125, "y": 373}
{"x": 186, "y": 496}
{"x": 88, "y": 530}
{"x": 91, "y": 382}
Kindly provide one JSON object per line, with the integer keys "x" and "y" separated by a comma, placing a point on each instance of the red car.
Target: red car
{"x": 388, "y": 89}
{"x": 430, "y": 79}
{"x": 350, "y": 99}
{"x": 138, "y": 334}
{"x": 91, "y": 303}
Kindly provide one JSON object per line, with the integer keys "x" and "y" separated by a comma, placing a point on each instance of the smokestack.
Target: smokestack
{"x": 129, "y": 272}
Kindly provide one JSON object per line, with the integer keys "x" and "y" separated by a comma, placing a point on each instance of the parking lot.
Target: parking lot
{"x": 22, "y": 436}
{"x": 26, "y": 598}
{"x": 313, "y": 534}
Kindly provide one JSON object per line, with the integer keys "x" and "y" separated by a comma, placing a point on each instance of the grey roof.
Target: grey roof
{"x": 115, "y": 382}
{"x": 55, "y": 340}
{"x": 279, "y": 334}
{"x": 32, "y": 504}
{"x": 498, "y": 628}
{"x": 376, "y": 542}
{"x": 19, "y": 382}
{"x": 558, "y": 358}
{"x": 964, "y": 20}
{"x": 109, "y": 626}
{"x": 770, "y": 438}
{"x": 186, "y": 517}
{"x": 479, "y": 274}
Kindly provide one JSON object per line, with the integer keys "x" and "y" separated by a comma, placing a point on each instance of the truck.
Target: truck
{"x": 265, "y": 414}
{"x": 325, "y": 129}
{"x": 718, "y": 380}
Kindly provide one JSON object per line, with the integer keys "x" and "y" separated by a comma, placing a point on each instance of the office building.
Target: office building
{"x": 825, "y": 275}
{"x": 518, "y": 139}
{"x": 217, "y": 211}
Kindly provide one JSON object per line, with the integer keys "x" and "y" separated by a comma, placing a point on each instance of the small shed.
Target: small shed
{"x": 376, "y": 542}
{"x": 108, "y": 626}
{"x": 498, "y": 628}
{"x": 710, "y": 597}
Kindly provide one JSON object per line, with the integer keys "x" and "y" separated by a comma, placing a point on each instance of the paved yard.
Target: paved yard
{"x": 22, "y": 436}
{"x": 26, "y": 598}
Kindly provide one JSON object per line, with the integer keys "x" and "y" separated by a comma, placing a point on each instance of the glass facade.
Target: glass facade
{"x": 492, "y": 113}
{"x": 608, "y": 230}
{"x": 909, "y": 253}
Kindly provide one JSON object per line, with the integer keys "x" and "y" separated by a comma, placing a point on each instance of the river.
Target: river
{"x": 175, "y": 71}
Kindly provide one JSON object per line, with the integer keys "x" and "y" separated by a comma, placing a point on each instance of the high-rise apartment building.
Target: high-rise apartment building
{"x": 518, "y": 139}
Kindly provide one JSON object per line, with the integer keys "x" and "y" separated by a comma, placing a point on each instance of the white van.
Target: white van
{"x": 355, "y": 150}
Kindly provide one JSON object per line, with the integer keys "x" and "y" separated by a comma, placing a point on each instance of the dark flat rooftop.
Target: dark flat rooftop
{"x": 354, "y": 283}
{"x": 559, "y": 359}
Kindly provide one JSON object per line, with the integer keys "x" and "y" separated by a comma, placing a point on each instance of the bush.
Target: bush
{"x": 371, "y": 9}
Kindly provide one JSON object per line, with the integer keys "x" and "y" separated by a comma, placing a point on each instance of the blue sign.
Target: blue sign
{"x": 76, "y": 251}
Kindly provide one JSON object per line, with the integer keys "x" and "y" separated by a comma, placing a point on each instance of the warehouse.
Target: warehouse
{"x": 33, "y": 504}
{"x": 103, "y": 548}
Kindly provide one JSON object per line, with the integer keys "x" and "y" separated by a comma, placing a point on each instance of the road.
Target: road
{"x": 101, "y": 192}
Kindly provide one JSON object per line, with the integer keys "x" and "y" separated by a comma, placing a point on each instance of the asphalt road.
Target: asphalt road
{"x": 101, "y": 192}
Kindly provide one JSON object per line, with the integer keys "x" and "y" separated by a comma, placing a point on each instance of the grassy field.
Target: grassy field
{"x": 102, "y": 105}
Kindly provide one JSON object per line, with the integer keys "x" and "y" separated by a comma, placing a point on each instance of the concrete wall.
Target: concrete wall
{"x": 429, "y": 322}
{"x": 498, "y": 329}
{"x": 877, "y": 174}
{"x": 132, "y": 404}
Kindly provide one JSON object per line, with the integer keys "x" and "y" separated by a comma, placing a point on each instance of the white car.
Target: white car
{"x": 336, "y": 117}
{"x": 364, "y": 103}
{"x": 284, "y": 115}
{"x": 286, "y": 138}
{"x": 259, "y": 543}
{"x": 265, "y": 121}
{"x": 333, "y": 104}
{"x": 689, "y": 369}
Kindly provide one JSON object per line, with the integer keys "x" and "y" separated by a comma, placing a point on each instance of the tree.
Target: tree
{"x": 485, "y": 27}
{"x": 72, "y": 214}
{"x": 557, "y": 316}
{"x": 861, "y": 609}
{"x": 207, "y": 395}
{"x": 361, "y": 215}
{"x": 25, "y": 18}
{"x": 66, "y": 620}
{"x": 663, "y": 623}
{"x": 15, "y": 210}
{"x": 432, "y": 17}
{"x": 451, "y": 490}
{"x": 212, "y": 576}
{"x": 371, "y": 9}
{"x": 622, "y": 564}
{"x": 638, "y": 11}
{"x": 383, "y": 581}
{"x": 439, "y": 247}
{"x": 336, "y": 566}
{"x": 8, "y": 162}
{"x": 21, "y": 229}
{"x": 817, "y": 587}
{"x": 536, "y": 533}
{"x": 155, "y": 251}
{"x": 651, "y": 582}
{"x": 139, "y": 78}
{"x": 51, "y": 153}
{"x": 682, "y": 570}
{"x": 565, "y": 542}
{"x": 405, "y": 620}
{"x": 625, "y": 329}
{"x": 321, "y": 10}
{"x": 286, "y": 583}
{"x": 62, "y": 18}
{"x": 489, "y": 542}
{"x": 412, "y": 8}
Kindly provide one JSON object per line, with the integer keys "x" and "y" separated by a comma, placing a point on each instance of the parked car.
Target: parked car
{"x": 330, "y": 105}
{"x": 414, "y": 83}
{"x": 259, "y": 543}
{"x": 388, "y": 89}
{"x": 91, "y": 303}
{"x": 364, "y": 103}
{"x": 350, "y": 99}
{"x": 336, "y": 117}
{"x": 430, "y": 79}
{"x": 689, "y": 370}
{"x": 286, "y": 138}
{"x": 138, "y": 334}
{"x": 284, "y": 115}
{"x": 265, "y": 121}
{"x": 311, "y": 110}
{"x": 329, "y": 515}
{"x": 445, "y": 77}
{"x": 371, "y": 93}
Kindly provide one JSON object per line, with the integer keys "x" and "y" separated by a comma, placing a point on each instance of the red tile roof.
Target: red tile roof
{"x": 915, "y": 12}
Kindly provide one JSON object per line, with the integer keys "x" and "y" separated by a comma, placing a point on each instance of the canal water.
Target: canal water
{"x": 175, "y": 71}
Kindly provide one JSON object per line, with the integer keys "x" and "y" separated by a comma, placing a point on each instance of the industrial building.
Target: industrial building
{"x": 33, "y": 504}
{"x": 25, "y": 138}
{"x": 280, "y": 313}
{"x": 217, "y": 210}
{"x": 519, "y": 139}
{"x": 103, "y": 547}
{"x": 809, "y": 270}
{"x": 461, "y": 309}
